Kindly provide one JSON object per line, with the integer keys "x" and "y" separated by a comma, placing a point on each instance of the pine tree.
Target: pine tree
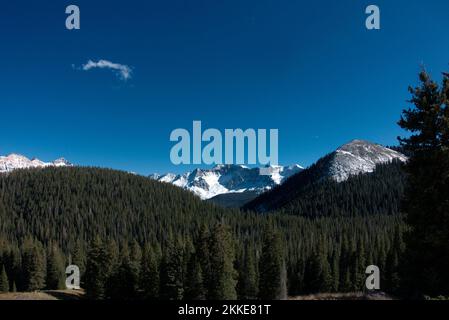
{"x": 203, "y": 255}
{"x": 359, "y": 268}
{"x": 98, "y": 270}
{"x": 135, "y": 263}
{"x": 270, "y": 266}
{"x": 149, "y": 277}
{"x": 319, "y": 274}
{"x": 427, "y": 197}
{"x": 34, "y": 265}
{"x": 194, "y": 280}
{"x": 55, "y": 269}
{"x": 223, "y": 273}
{"x": 171, "y": 272}
{"x": 335, "y": 271}
{"x": 247, "y": 284}
{"x": 121, "y": 283}
{"x": 4, "y": 281}
{"x": 78, "y": 258}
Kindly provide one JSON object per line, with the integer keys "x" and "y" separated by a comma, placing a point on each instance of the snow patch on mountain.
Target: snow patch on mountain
{"x": 359, "y": 156}
{"x": 223, "y": 179}
{"x": 16, "y": 161}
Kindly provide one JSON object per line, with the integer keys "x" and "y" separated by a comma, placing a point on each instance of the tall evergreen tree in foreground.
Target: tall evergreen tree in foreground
{"x": 4, "y": 282}
{"x": 271, "y": 267}
{"x": 223, "y": 275}
{"x": 55, "y": 269}
{"x": 247, "y": 285}
{"x": 194, "y": 280}
{"x": 171, "y": 272}
{"x": 98, "y": 269}
{"x": 427, "y": 198}
{"x": 34, "y": 265}
{"x": 149, "y": 277}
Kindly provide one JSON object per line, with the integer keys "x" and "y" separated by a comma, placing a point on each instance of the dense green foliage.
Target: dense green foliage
{"x": 308, "y": 194}
{"x": 136, "y": 238}
{"x": 427, "y": 197}
{"x": 272, "y": 268}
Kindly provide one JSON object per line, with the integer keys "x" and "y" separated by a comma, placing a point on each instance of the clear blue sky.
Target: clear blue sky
{"x": 308, "y": 68}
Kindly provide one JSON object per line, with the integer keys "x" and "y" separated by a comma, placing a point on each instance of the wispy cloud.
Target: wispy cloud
{"x": 123, "y": 71}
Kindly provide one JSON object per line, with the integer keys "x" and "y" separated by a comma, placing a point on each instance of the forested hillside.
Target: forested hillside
{"x": 309, "y": 194}
{"x": 137, "y": 238}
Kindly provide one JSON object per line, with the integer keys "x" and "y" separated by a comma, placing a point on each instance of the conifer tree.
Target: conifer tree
{"x": 34, "y": 265}
{"x": 223, "y": 274}
{"x": 335, "y": 271}
{"x": 55, "y": 269}
{"x": 171, "y": 272}
{"x": 121, "y": 283}
{"x": 194, "y": 280}
{"x": 270, "y": 266}
{"x": 4, "y": 281}
{"x": 427, "y": 197}
{"x": 203, "y": 255}
{"x": 359, "y": 268}
{"x": 319, "y": 274}
{"x": 149, "y": 277}
{"x": 247, "y": 284}
{"x": 98, "y": 270}
{"x": 78, "y": 258}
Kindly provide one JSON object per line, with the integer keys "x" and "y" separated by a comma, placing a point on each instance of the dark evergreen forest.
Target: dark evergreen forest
{"x": 135, "y": 238}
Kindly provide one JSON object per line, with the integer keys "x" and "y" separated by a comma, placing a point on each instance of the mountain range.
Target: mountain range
{"x": 229, "y": 179}
{"x": 235, "y": 185}
{"x": 232, "y": 185}
{"x": 16, "y": 161}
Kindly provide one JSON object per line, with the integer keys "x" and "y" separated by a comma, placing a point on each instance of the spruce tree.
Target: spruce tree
{"x": 78, "y": 258}
{"x": 335, "y": 271}
{"x": 135, "y": 260}
{"x": 223, "y": 274}
{"x": 203, "y": 255}
{"x": 194, "y": 280}
{"x": 149, "y": 277}
{"x": 4, "y": 281}
{"x": 121, "y": 283}
{"x": 34, "y": 265}
{"x": 171, "y": 272}
{"x": 270, "y": 266}
{"x": 98, "y": 270}
{"x": 55, "y": 269}
{"x": 247, "y": 284}
{"x": 427, "y": 197}
{"x": 319, "y": 275}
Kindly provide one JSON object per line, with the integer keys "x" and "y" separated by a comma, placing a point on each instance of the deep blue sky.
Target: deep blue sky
{"x": 308, "y": 68}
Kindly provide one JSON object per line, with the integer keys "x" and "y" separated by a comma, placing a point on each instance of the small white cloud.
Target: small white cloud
{"x": 122, "y": 70}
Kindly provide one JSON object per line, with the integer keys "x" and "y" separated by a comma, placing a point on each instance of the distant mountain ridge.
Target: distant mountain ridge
{"x": 358, "y": 156}
{"x": 227, "y": 179}
{"x": 15, "y": 161}
{"x": 346, "y": 162}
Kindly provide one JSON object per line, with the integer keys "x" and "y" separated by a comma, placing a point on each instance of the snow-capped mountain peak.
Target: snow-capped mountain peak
{"x": 15, "y": 161}
{"x": 359, "y": 156}
{"x": 222, "y": 179}
{"x": 61, "y": 162}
